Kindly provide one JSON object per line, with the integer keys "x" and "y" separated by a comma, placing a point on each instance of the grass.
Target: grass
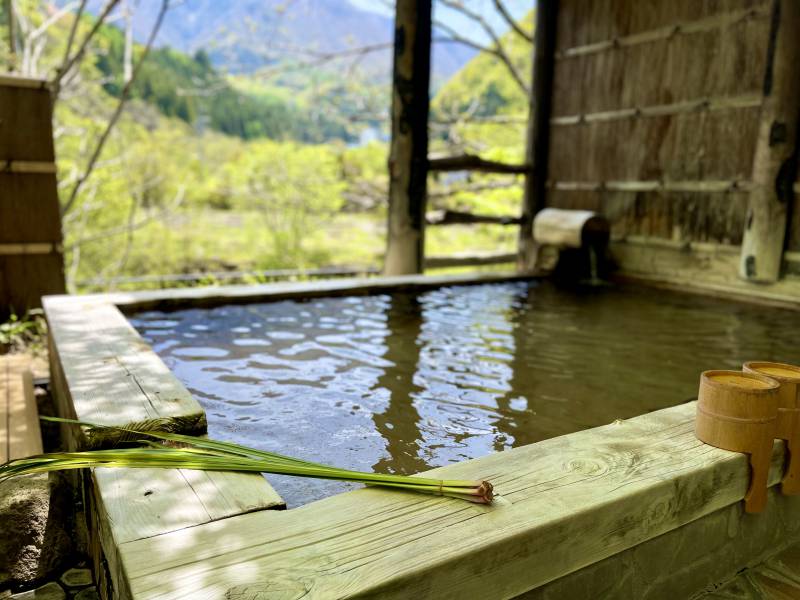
{"x": 165, "y": 450}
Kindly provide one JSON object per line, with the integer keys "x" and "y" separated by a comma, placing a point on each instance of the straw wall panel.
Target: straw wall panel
{"x": 688, "y": 146}
{"x": 718, "y": 50}
{"x": 714, "y": 217}
{"x": 590, "y": 21}
{"x": 723, "y": 62}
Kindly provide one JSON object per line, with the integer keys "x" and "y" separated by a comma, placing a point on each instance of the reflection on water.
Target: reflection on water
{"x": 399, "y": 383}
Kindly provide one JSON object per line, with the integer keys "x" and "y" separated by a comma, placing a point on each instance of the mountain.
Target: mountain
{"x": 245, "y": 36}
{"x": 191, "y": 89}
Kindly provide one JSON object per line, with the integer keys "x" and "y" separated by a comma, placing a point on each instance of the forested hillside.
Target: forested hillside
{"x": 191, "y": 89}
{"x": 208, "y": 172}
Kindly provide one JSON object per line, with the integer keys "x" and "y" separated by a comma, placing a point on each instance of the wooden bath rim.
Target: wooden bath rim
{"x": 566, "y": 506}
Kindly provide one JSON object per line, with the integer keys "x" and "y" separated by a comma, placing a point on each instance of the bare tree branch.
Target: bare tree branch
{"x": 12, "y": 34}
{"x": 501, "y": 8}
{"x": 72, "y": 31}
{"x": 497, "y": 49}
{"x": 126, "y": 90}
{"x": 70, "y": 62}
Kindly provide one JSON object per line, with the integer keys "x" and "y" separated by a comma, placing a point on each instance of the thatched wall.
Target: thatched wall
{"x": 656, "y": 111}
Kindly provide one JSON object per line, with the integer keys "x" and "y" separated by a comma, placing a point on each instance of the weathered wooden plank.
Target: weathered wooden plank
{"x": 469, "y": 259}
{"x": 472, "y": 162}
{"x": 112, "y": 375}
{"x": 26, "y": 132}
{"x": 682, "y": 563}
{"x": 564, "y": 503}
{"x": 238, "y": 294}
{"x": 20, "y": 435}
{"x": 141, "y": 503}
{"x": 457, "y": 217}
{"x": 24, "y": 433}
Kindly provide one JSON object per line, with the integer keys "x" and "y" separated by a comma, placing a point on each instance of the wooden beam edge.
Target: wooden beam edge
{"x": 511, "y": 542}
{"x": 173, "y": 298}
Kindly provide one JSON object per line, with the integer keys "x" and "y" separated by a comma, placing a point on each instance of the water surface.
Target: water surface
{"x": 401, "y": 383}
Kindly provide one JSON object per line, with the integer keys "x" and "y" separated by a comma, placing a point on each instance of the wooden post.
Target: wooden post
{"x": 774, "y": 160}
{"x": 538, "y": 138}
{"x": 31, "y": 261}
{"x": 408, "y": 159}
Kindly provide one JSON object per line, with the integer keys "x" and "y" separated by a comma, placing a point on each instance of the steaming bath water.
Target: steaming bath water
{"x": 401, "y": 383}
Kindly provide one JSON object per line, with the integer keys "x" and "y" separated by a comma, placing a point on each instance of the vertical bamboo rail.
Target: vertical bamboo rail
{"x": 774, "y": 160}
{"x": 538, "y": 135}
{"x": 408, "y": 158}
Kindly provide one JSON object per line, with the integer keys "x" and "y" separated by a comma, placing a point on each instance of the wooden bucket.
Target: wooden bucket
{"x": 788, "y": 426}
{"x": 738, "y": 411}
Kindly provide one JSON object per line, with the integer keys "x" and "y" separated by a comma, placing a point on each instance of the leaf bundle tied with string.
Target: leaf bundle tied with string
{"x": 168, "y": 450}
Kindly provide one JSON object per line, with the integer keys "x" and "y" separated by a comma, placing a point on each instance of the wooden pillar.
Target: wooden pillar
{"x": 775, "y": 158}
{"x": 538, "y": 137}
{"x": 408, "y": 158}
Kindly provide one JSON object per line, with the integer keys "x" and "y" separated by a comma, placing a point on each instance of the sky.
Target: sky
{"x": 462, "y": 24}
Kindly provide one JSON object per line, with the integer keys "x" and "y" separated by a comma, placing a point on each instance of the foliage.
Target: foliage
{"x": 191, "y": 89}
{"x": 172, "y": 195}
{"x": 23, "y": 333}
{"x": 175, "y": 451}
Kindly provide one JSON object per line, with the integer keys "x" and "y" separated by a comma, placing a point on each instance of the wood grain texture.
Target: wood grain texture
{"x": 244, "y": 294}
{"x": 20, "y": 434}
{"x": 668, "y": 93}
{"x": 25, "y": 279}
{"x": 775, "y": 157}
{"x": 141, "y": 503}
{"x": 113, "y": 377}
{"x": 738, "y": 412}
{"x": 26, "y": 131}
{"x": 564, "y": 503}
{"x": 29, "y": 208}
{"x": 682, "y": 563}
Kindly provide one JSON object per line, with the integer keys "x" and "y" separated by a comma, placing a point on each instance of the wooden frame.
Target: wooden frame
{"x": 181, "y": 534}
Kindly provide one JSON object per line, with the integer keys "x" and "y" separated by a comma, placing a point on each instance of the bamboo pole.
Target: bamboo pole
{"x": 408, "y": 158}
{"x": 538, "y": 138}
{"x": 775, "y": 160}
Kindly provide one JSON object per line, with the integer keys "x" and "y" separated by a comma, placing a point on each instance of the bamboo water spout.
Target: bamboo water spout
{"x": 738, "y": 411}
{"x": 788, "y": 424}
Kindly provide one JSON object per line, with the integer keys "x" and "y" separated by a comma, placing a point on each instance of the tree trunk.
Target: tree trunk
{"x": 775, "y": 158}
